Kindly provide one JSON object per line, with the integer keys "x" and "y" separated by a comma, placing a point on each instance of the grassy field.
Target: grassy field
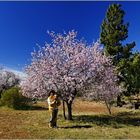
{"x": 91, "y": 120}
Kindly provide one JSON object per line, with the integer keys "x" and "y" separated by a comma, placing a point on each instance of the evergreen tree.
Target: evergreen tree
{"x": 113, "y": 32}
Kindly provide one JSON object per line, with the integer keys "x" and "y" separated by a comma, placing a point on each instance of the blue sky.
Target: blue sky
{"x": 23, "y": 24}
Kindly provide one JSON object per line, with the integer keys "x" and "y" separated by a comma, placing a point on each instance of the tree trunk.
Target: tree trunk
{"x": 69, "y": 106}
{"x": 137, "y": 105}
{"x": 64, "y": 110}
{"x": 108, "y": 107}
{"x": 119, "y": 102}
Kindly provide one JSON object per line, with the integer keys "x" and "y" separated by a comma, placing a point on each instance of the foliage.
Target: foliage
{"x": 14, "y": 99}
{"x": 133, "y": 75}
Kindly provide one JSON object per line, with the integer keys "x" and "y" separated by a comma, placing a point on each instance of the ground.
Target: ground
{"x": 91, "y": 120}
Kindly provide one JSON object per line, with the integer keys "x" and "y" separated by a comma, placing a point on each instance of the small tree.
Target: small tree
{"x": 105, "y": 88}
{"x": 66, "y": 65}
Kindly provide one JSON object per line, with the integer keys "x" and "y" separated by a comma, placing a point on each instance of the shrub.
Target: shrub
{"x": 14, "y": 99}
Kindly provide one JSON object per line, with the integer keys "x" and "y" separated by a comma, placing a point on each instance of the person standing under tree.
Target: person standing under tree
{"x": 53, "y": 102}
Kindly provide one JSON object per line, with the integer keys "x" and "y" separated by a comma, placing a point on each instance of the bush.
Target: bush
{"x": 14, "y": 99}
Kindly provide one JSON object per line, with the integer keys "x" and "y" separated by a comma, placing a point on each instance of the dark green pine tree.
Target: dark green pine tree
{"x": 113, "y": 32}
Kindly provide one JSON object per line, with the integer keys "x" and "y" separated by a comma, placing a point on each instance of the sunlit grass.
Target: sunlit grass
{"x": 91, "y": 120}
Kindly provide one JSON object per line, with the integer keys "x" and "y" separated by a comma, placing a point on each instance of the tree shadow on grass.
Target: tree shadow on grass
{"x": 116, "y": 121}
{"x": 33, "y": 108}
{"x": 38, "y": 108}
{"x": 77, "y": 126}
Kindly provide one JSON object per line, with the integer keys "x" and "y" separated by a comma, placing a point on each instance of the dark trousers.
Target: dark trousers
{"x": 53, "y": 119}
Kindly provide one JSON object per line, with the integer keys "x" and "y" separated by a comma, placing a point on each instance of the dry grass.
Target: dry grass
{"x": 82, "y": 106}
{"x": 91, "y": 120}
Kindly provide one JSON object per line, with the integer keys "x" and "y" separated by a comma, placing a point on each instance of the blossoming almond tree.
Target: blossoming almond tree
{"x": 65, "y": 65}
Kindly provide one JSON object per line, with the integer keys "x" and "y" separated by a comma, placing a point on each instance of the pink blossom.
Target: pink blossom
{"x": 70, "y": 65}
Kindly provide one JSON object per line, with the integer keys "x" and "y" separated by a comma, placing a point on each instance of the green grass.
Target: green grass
{"x": 90, "y": 121}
